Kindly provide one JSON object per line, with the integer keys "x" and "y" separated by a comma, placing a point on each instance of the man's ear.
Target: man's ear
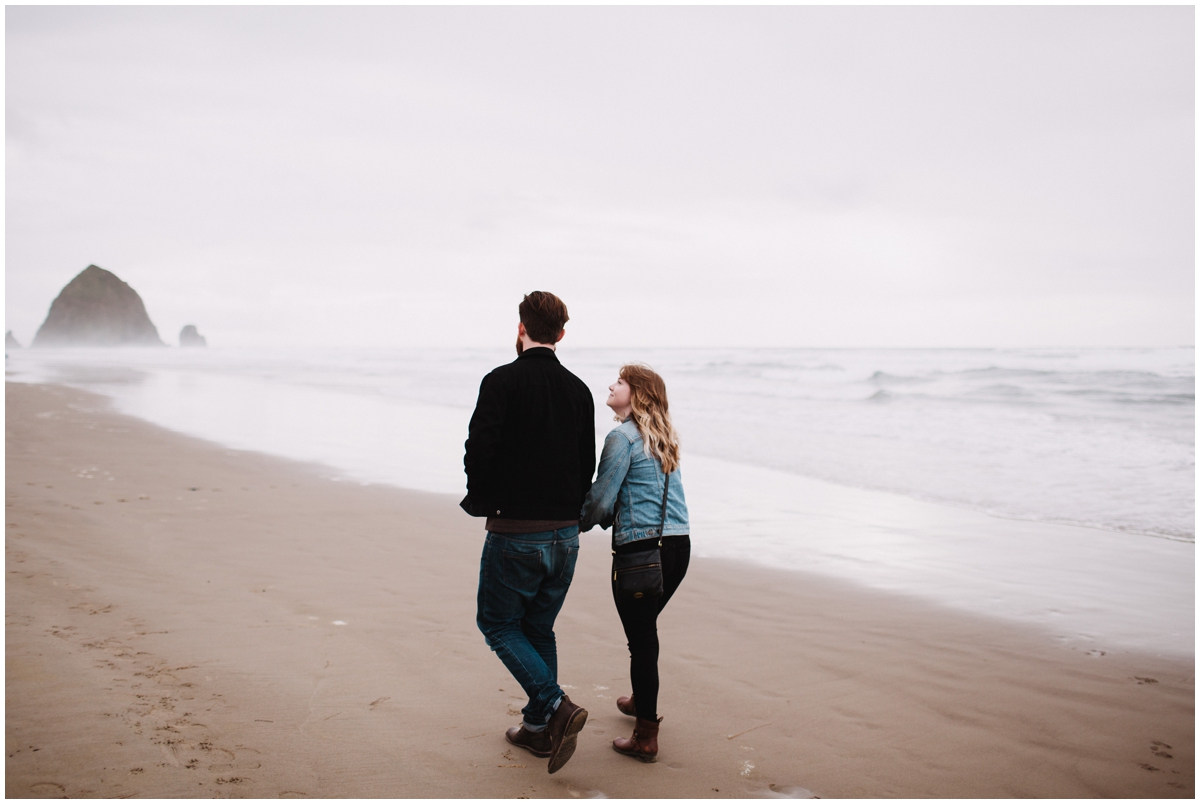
{"x": 520, "y": 329}
{"x": 561, "y": 332}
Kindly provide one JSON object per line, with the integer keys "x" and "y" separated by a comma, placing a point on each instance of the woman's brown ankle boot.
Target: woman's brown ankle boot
{"x": 644, "y": 742}
{"x": 626, "y": 705}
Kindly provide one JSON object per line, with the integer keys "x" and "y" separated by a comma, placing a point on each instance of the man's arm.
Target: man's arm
{"x": 587, "y": 444}
{"x": 482, "y": 448}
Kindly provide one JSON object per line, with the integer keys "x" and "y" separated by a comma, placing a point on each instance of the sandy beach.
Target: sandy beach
{"x": 189, "y": 620}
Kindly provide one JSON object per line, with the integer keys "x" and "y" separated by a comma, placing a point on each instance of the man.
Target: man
{"x": 531, "y": 451}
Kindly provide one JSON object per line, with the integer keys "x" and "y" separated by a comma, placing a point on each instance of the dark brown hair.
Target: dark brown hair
{"x": 648, "y": 398}
{"x": 544, "y": 316}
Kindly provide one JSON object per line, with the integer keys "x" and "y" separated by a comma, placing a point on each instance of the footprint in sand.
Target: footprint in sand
{"x": 221, "y": 758}
{"x": 48, "y": 790}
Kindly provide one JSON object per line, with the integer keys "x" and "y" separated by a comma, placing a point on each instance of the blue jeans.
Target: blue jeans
{"x": 523, "y": 580}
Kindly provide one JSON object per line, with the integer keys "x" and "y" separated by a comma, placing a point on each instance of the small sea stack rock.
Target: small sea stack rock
{"x": 10, "y": 342}
{"x": 189, "y": 336}
{"x": 97, "y": 309}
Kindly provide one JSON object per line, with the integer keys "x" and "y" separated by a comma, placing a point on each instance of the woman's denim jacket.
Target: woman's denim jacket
{"x": 627, "y": 495}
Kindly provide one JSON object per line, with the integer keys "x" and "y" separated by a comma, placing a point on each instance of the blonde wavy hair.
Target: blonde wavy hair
{"x": 648, "y": 396}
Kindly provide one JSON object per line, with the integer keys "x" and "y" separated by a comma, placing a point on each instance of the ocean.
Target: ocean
{"x": 1089, "y": 454}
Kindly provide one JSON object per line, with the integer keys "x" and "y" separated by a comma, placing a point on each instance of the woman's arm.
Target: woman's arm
{"x": 602, "y": 498}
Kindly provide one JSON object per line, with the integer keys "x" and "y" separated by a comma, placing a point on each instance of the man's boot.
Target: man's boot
{"x": 625, "y": 704}
{"x": 563, "y": 730}
{"x": 535, "y": 742}
{"x": 644, "y": 742}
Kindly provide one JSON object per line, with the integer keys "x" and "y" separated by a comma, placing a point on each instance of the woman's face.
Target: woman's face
{"x": 618, "y": 398}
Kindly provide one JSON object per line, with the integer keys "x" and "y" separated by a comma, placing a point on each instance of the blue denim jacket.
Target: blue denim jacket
{"x": 627, "y": 494}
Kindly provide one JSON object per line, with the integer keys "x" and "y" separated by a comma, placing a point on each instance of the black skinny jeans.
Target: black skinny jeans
{"x": 640, "y": 618}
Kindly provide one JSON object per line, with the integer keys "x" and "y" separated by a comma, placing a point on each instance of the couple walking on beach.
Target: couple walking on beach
{"x": 530, "y": 453}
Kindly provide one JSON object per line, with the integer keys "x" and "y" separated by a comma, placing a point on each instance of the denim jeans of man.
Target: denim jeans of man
{"x": 523, "y": 580}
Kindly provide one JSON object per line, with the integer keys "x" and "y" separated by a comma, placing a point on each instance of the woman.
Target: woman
{"x": 639, "y": 456}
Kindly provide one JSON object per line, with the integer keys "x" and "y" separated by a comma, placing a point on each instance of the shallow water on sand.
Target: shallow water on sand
{"x": 1064, "y": 480}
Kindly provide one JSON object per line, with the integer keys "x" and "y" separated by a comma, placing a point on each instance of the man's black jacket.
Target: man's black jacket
{"x": 531, "y": 447}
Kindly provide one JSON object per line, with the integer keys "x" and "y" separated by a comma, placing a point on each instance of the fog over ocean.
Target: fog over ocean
{"x": 902, "y": 444}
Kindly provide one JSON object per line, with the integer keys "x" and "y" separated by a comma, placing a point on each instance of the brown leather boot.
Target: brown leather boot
{"x": 535, "y": 742}
{"x": 644, "y": 742}
{"x": 625, "y": 704}
{"x": 563, "y": 730}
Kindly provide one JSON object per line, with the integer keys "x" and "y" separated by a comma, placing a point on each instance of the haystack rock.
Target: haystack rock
{"x": 97, "y": 309}
{"x": 10, "y": 342}
{"x": 189, "y": 336}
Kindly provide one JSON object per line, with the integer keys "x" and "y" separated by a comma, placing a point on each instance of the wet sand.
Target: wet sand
{"x": 188, "y": 620}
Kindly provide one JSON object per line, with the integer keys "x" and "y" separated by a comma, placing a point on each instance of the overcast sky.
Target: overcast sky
{"x": 790, "y": 176}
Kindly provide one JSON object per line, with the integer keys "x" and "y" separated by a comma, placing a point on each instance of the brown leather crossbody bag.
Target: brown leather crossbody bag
{"x": 638, "y": 576}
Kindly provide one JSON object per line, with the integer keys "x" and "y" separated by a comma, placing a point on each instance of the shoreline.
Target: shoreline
{"x": 158, "y": 391}
{"x": 1096, "y": 587}
{"x": 215, "y": 622}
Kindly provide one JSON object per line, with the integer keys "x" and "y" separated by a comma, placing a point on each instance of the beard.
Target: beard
{"x": 520, "y": 346}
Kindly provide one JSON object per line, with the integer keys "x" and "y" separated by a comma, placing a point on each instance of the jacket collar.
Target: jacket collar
{"x": 538, "y": 353}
